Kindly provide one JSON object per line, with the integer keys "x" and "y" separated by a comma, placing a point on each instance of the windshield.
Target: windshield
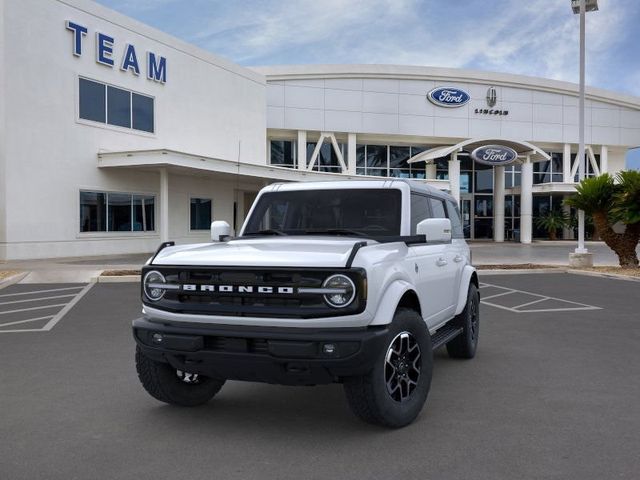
{"x": 359, "y": 212}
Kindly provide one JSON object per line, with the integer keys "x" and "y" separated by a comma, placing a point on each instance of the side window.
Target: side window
{"x": 437, "y": 207}
{"x": 419, "y": 210}
{"x": 456, "y": 224}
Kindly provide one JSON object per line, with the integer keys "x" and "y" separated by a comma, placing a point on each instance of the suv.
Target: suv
{"x": 352, "y": 282}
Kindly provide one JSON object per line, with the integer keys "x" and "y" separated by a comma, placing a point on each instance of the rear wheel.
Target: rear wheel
{"x": 165, "y": 383}
{"x": 393, "y": 393}
{"x": 465, "y": 344}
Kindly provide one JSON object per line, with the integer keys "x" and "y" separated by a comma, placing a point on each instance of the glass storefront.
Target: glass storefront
{"x": 476, "y": 181}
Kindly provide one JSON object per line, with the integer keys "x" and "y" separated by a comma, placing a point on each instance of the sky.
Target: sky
{"x": 529, "y": 37}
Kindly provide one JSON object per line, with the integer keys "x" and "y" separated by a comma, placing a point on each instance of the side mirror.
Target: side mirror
{"x": 220, "y": 231}
{"x": 435, "y": 229}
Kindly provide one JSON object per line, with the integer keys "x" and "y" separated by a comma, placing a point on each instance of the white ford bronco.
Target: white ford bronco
{"x": 352, "y": 282}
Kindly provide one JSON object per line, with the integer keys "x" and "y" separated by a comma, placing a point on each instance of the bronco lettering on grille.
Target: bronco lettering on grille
{"x": 190, "y": 287}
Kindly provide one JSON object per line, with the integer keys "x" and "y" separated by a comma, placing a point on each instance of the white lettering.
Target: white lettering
{"x": 245, "y": 289}
{"x": 190, "y": 288}
{"x": 207, "y": 288}
{"x": 285, "y": 289}
{"x": 225, "y": 288}
{"x": 265, "y": 289}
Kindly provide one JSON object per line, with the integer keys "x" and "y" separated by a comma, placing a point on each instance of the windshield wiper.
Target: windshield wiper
{"x": 337, "y": 231}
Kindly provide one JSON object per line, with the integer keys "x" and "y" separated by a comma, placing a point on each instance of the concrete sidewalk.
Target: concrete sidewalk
{"x": 540, "y": 253}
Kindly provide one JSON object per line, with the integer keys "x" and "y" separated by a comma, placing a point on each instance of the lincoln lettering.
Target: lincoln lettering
{"x": 237, "y": 289}
{"x": 129, "y": 60}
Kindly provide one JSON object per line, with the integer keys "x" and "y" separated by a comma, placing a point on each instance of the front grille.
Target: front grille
{"x": 254, "y": 303}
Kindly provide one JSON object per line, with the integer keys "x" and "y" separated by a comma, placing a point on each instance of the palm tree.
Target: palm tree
{"x": 609, "y": 202}
{"x": 552, "y": 221}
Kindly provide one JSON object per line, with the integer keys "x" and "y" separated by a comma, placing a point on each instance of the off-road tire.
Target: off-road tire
{"x": 162, "y": 383}
{"x": 465, "y": 344}
{"x": 368, "y": 395}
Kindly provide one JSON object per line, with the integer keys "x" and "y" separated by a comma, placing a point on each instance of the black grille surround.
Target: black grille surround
{"x": 286, "y": 303}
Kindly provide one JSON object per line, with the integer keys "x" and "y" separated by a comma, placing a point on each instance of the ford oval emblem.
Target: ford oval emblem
{"x": 494, "y": 155}
{"x": 448, "y": 97}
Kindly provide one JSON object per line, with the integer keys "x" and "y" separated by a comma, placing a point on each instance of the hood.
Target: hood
{"x": 294, "y": 251}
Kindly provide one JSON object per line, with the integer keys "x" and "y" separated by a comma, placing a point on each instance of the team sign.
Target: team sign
{"x": 156, "y": 65}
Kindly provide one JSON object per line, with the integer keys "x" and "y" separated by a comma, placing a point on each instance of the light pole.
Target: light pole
{"x": 581, "y": 7}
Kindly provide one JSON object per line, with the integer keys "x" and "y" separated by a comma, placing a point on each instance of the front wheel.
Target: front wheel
{"x": 165, "y": 383}
{"x": 393, "y": 393}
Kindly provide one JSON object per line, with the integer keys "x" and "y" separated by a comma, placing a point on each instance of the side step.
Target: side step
{"x": 444, "y": 335}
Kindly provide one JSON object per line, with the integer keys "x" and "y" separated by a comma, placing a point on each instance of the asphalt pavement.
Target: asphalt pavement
{"x": 553, "y": 393}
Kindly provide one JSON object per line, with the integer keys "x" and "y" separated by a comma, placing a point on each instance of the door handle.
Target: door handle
{"x": 458, "y": 258}
{"x": 441, "y": 262}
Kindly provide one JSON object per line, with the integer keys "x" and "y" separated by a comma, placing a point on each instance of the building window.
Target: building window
{"x": 116, "y": 212}
{"x": 111, "y": 105}
{"x": 201, "y": 213}
{"x": 283, "y": 153}
{"x": 389, "y": 161}
{"x": 327, "y": 160}
{"x": 549, "y": 171}
{"x": 589, "y": 170}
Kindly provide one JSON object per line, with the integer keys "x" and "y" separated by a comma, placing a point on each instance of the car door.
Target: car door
{"x": 434, "y": 267}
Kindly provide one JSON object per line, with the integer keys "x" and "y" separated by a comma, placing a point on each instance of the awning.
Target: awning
{"x": 522, "y": 148}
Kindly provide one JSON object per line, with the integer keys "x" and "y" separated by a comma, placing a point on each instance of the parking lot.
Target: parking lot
{"x": 552, "y": 393}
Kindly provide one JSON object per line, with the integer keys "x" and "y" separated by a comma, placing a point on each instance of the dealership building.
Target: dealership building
{"x": 115, "y": 136}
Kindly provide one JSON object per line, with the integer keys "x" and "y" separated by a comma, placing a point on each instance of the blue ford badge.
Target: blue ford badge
{"x": 448, "y": 97}
{"x": 494, "y": 155}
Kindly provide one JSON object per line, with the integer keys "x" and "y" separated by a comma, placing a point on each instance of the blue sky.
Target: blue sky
{"x": 530, "y": 37}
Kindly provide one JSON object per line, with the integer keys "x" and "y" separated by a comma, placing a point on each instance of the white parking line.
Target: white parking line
{"x": 53, "y": 319}
{"x": 41, "y": 291}
{"x": 540, "y": 299}
{"x": 38, "y": 299}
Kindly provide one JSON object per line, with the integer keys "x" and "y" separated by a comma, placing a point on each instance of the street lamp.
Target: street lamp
{"x": 580, "y": 7}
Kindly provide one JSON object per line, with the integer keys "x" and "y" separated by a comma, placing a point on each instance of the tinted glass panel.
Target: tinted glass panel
{"x": 371, "y": 211}
{"x": 419, "y": 210}
{"x": 283, "y": 153}
{"x": 377, "y": 156}
{"x": 118, "y": 107}
{"x": 119, "y": 211}
{"x": 93, "y": 212}
{"x": 454, "y": 216}
{"x": 437, "y": 208}
{"x": 143, "y": 213}
{"x": 200, "y": 214}
{"x": 483, "y": 206}
{"x": 92, "y": 101}
{"x": 142, "y": 113}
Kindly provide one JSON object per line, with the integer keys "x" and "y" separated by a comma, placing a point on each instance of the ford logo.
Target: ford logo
{"x": 494, "y": 155}
{"x": 448, "y": 97}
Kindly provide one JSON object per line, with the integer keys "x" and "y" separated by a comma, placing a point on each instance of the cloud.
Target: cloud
{"x": 533, "y": 37}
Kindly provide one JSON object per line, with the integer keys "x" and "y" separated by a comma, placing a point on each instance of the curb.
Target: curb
{"x": 613, "y": 276}
{"x": 117, "y": 279}
{"x": 520, "y": 271}
{"x": 13, "y": 279}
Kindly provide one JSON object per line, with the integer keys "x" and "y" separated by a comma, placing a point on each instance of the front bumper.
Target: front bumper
{"x": 288, "y": 356}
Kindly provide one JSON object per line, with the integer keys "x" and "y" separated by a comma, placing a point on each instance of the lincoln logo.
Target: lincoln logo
{"x": 494, "y": 155}
{"x": 492, "y": 97}
{"x": 237, "y": 289}
{"x": 448, "y": 97}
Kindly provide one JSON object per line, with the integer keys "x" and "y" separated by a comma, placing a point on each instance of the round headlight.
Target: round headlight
{"x": 344, "y": 290}
{"x": 153, "y": 285}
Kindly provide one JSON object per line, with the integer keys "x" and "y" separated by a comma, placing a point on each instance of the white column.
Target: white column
{"x": 604, "y": 159}
{"x": 498, "y": 203}
{"x": 566, "y": 164}
{"x": 454, "y": 176}
{"x": 164, "y": 205}
{"x": 351, "y": 153}
{"x": 526, "y": 202}
{"x": 431, "y": 171}
{"x": 302, "y": 150}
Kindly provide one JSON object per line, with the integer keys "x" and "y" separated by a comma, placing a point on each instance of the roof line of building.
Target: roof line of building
{"x": 413, "y": 72}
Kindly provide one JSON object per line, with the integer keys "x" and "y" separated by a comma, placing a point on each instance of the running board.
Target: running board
{"x": 445, "y": 335}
